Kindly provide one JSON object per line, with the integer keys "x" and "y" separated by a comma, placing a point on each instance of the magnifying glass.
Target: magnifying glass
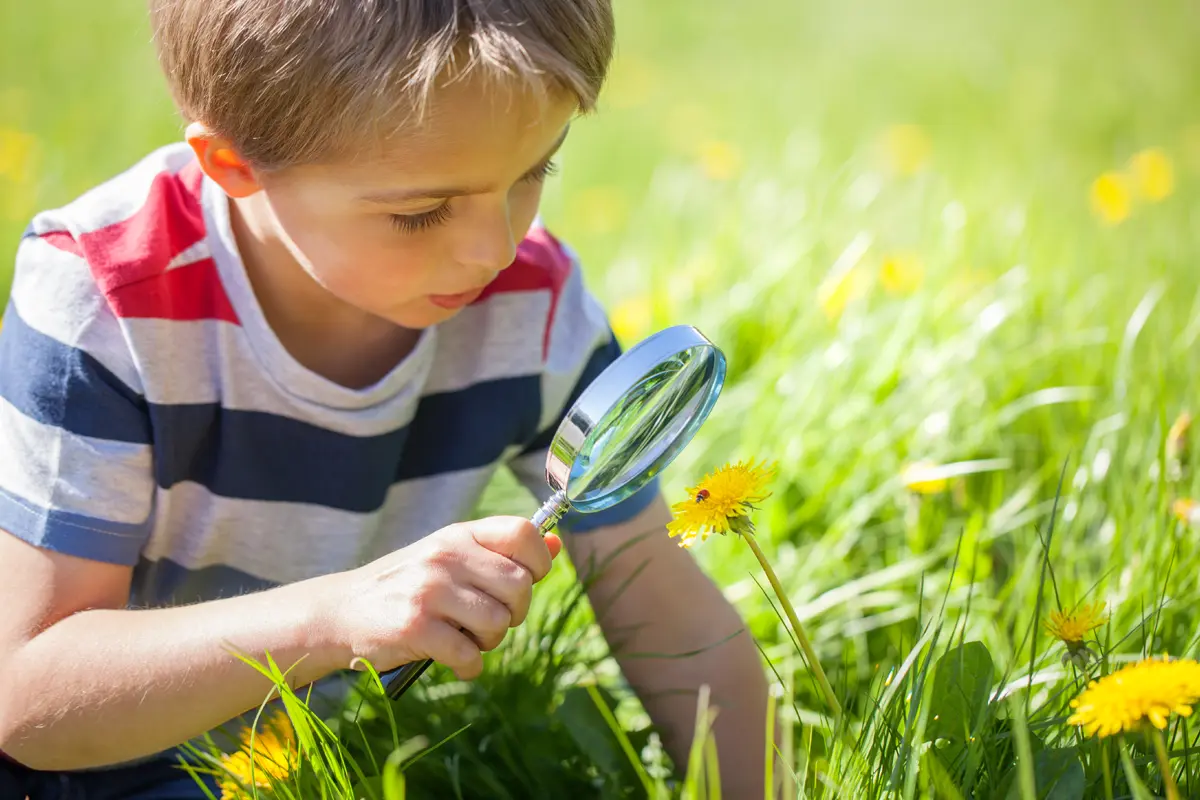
{"x": 626, "y": 427}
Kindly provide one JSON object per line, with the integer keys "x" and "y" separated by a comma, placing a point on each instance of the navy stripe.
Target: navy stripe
{"x": 62, "y": 386}
{"x": 255, "y": 455}
{"x": 74, "y": 534}
{"x": 601, "y": 357}
{"x": 260, "y": 456}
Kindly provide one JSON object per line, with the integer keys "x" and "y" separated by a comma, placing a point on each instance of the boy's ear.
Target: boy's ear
{"x": 221, "y": 162}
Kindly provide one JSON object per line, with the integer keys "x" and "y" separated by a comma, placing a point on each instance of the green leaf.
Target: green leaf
{"x": 962, "y": 681}
{"x": 583, "y": 720}
{"x": 944, "y": 787}
{"x": 1058, "y": 775}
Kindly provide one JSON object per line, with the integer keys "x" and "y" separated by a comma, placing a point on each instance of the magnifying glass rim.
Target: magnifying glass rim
{"x": 609, "y": 387}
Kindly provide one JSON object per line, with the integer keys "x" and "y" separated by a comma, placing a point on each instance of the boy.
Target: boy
{"x": 251, "y": 387}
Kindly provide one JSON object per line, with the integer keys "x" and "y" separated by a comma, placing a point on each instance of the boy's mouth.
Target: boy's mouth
{"x": 452, "y": 301}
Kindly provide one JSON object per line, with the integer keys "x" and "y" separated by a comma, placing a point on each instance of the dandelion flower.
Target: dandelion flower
{"x": 923, "y": 477}
{"x": 1177, "y": 437}
{"x": 1110, "y": 197}
{"x": 721, "y": 502}
{"x": 1186, "y": 510}
{"x": 1073, "y": 627}
{"x": 720, "y": 161}
{"x": 906, "y": 148}
{"x": 1152, "y": 175}
{"x": 632, "y": 317}
{"x": 901, "y": 274}
{"x": 273, "y": 758}
{"x": 1149, "y": 691}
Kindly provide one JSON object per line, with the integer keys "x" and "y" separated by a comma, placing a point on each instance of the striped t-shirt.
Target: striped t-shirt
{"x": 150, "y": 417}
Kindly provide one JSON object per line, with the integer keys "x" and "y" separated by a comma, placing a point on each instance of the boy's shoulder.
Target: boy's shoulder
{"x": 132, "y": 228}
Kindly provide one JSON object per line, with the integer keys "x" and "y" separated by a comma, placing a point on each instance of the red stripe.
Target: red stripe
{"x": 63, "y": 241}
{"x": 541, "y": 263}
{"x": 189, "y": 292}
{"x": 129, "y": 258}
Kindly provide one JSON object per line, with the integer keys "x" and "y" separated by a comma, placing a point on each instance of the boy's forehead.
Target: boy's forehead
{"x": 472, "y": 126}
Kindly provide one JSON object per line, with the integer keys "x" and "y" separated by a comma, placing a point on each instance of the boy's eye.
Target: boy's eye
{"x": 415, "y": 223}
{"x": 541, "y": 173}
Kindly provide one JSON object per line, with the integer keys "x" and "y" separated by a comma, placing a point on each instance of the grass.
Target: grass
{"x": 739, "y": 178}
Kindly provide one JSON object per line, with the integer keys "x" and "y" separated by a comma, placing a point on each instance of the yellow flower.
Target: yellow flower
{"x": 721, "y": 502}
{"x": 17, "y": 152}
{"x": 1110, "y": 197}
{"x": 1073, "y": 627}
{"x": 1152, "y": 175}
{"x": 632, "y": 317}
{"x": 923, "y": 477}
{"x": 1149, "y": 691}
{"x": 720, "y": 160}
{"x": 901, "y": 274}
{"x": 1186, "y": 510}
{"x": 273, "y": 757}
{"x": 1177, "y": 437}
{"x": 906, "y": 148}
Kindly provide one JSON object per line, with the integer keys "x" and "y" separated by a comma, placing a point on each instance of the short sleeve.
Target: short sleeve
{"x": 579, "y": 346}
{"x": 76, "y": 472}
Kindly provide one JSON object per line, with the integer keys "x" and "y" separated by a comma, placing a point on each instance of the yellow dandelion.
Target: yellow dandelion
{"x": 721, "y": 502}
{"x": 1177, "y": 437}
{"x": 1186, "y": 510}
{"x": 1110, "y": 197}
{"x": 1152, "y": 175}
{"x": 720, "y": 160}
{"x": 1149, "y": 691}
{"x": 901, "y": 273}
{"x": 632, "y": 317}
{"x": 273, "y": 758}
{"x": 1073, "y": 627}
{"x": 924, "y": 477}
{"x": 906, "y": 148}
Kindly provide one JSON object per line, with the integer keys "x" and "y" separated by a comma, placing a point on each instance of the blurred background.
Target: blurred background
{"x": 927, "y": 233}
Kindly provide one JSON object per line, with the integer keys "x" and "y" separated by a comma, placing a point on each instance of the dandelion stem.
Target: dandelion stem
{"x": 1164, "y": 764}
{"x": 1107, "y": 768}
{"x": 797, "y": 628}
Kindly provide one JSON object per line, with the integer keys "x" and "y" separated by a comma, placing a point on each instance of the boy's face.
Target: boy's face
{"x": 416, "y": 232}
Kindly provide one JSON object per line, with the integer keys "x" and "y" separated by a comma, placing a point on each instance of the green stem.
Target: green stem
{"x": 797, "y": 628}
{"x": 1164, "y": 764}
{"x": 1107, "y": 767}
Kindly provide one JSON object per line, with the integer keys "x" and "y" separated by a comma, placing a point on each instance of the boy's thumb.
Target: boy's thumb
{"x": 554, "y": 543}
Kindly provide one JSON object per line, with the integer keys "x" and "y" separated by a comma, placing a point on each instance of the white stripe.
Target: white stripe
{"x": 287, "y": 542}
{"x": 579, "y": 327}
{"x": 56, "y": 469}
{"x": 498, "y": 338}
{"x": 210, "y": 361}
{"x": 121, "y": 196}
{"x": 55, "y": 294}
{"x": 197, "y": 252}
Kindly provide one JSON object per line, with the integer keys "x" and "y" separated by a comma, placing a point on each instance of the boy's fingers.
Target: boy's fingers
{"x": 516, "y": 538}
{"x": 554, "y": 544}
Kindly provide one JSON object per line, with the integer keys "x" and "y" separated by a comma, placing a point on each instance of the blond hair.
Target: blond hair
{"x": 300, "y": 81}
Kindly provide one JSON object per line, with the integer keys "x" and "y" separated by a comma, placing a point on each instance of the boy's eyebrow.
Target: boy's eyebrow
{"x": 405, "y": 195}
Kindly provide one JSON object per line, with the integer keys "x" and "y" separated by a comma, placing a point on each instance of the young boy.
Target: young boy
{"x": 251, "y": 388}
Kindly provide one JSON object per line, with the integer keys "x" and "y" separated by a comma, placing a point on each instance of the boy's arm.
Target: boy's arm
{"x": 672, "y": 607}
{"x": 85, "y": 682}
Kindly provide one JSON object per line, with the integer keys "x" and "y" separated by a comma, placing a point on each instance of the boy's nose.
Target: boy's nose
{"x": 490, "y": 245}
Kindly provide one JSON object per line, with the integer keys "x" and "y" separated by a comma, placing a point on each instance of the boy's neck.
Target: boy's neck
{"x": 333, "y": 339}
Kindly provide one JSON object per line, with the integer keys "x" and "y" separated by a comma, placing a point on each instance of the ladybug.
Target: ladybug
{"x": 701, "y": 495}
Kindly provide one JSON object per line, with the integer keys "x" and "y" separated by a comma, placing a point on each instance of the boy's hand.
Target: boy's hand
{"x": 448, "y": 597}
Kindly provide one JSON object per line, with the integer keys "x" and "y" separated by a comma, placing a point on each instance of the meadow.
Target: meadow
{"x": 950, "y": 251}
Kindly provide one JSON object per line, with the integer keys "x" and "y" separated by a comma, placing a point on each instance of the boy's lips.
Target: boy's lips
{"x": 451, "y": 301}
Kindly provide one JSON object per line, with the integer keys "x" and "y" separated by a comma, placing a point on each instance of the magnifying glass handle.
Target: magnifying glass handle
{"x": 545, "y": 519}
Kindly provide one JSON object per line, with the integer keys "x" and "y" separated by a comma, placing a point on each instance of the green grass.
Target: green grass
{"x": 1039, "y": 340}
